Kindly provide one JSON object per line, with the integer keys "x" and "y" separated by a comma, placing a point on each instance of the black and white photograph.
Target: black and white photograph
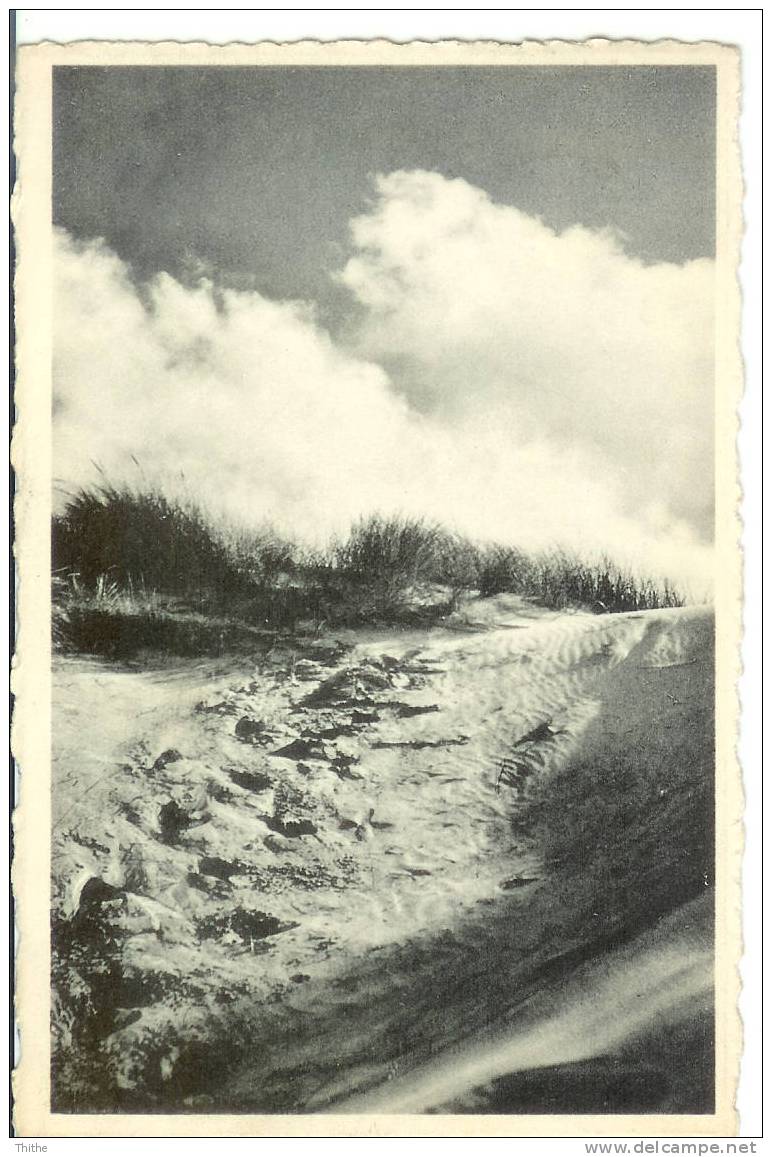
{"x": 389, "y": 426}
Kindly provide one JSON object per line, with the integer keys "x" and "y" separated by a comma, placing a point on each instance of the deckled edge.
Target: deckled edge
{"x": 354, "y": 51}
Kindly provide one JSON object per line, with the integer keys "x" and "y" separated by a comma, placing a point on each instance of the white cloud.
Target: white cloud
{"x": 563, "y": 336}
{"x": 490, "y": 383}
{"x": 247, "y": 397}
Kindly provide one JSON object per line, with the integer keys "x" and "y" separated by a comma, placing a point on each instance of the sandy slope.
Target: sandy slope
{"x": 478, "y": 848}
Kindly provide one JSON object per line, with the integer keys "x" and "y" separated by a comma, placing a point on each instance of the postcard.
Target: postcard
{"x": 379, "y": 589}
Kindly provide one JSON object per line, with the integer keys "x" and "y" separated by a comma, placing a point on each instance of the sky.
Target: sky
{"x": 245, "y": 168}
{"x": 481, "y": 295}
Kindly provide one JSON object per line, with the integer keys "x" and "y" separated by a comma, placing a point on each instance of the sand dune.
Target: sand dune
{"x": 613, "y": 1006}
{"x": 388, "y": 872}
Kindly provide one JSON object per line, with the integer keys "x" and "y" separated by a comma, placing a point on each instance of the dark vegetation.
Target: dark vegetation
{"x": 134, "y": 570}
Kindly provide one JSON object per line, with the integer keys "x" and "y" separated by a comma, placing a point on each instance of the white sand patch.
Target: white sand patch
{"x": 357, "y": 871}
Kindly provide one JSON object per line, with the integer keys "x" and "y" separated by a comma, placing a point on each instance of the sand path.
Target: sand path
{"x": 447, "y": 829}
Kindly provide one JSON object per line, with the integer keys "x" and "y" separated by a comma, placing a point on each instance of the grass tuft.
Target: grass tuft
{"x": 389, "y": 565}
{"x": 121, "y": 536}
{"x": 134, "y": 569}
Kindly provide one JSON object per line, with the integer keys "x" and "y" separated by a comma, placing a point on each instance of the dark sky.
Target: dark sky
{"x": 257, "y": 171}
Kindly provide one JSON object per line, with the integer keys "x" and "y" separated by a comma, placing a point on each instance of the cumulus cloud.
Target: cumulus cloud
{"x": 515, "y": 384}
{"x": 247, "y": 398}
{"x": 479, "y": 307}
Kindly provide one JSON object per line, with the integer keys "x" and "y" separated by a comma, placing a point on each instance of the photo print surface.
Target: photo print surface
{"x": 383, "y": 550}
